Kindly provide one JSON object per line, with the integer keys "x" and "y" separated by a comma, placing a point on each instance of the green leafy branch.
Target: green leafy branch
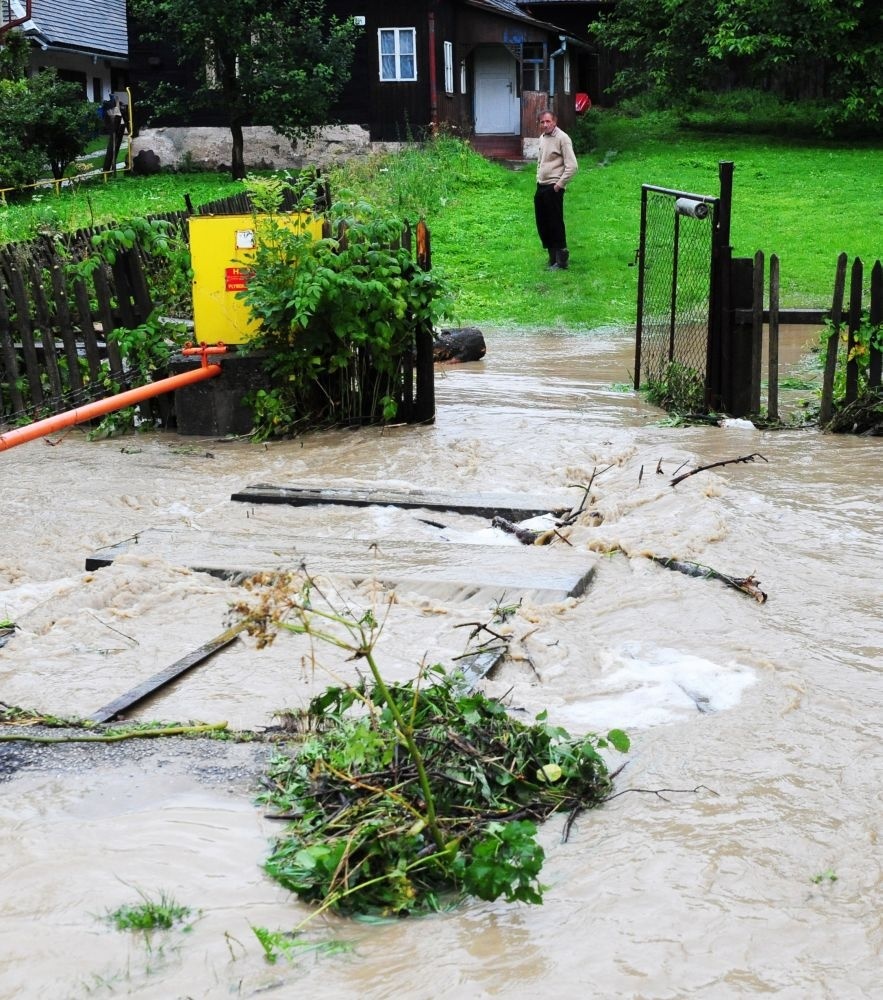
{"x": 401, "y": 794}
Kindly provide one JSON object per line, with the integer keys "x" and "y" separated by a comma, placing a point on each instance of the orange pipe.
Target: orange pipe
{"x": 100, "y": 407}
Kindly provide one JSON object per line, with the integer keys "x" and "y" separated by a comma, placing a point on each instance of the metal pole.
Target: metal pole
{"x": 98, "y": 408}
{"x": 639, "y": 322}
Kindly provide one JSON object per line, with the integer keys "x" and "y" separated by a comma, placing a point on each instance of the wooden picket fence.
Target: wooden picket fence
{"x": 842, "y": 314}
{"x": 55, "y": 352}
{"x": 853, "y": 317}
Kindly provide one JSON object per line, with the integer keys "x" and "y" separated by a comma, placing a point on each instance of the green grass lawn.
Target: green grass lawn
{"x": 805, "y": 202}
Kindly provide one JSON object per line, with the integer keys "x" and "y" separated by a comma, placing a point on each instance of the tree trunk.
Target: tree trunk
{"x": 237, "y": 163}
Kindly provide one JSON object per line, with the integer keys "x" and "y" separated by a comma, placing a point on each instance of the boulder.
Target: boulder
{"x": 460, "y": 344}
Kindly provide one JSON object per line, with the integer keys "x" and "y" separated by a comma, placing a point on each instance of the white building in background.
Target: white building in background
{"x": 86, "y": 41}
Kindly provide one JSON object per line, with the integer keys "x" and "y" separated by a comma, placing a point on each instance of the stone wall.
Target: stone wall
{"x": 264, "y": 149}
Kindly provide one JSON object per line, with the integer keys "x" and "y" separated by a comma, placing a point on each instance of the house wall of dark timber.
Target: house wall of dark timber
{"x": 390, "y": 111}
{"x": 397, "y": 111}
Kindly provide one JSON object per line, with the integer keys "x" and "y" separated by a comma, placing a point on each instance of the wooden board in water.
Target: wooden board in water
{"x": 512, "y": 506}
{"x": 442, "y": 570}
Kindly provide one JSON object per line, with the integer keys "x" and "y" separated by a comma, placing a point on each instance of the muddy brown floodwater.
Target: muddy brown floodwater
{"x": 764, "y": 880}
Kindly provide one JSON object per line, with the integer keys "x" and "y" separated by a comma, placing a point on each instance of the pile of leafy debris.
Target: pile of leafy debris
{"x": 863, "y": 416}
{"x": 376, "y": 829}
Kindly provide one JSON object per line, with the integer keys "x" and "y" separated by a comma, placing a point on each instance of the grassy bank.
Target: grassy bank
{"x": 805, "y": 202}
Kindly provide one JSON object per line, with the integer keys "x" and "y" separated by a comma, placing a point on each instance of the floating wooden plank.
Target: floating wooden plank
{"x": 512, "y": 506}
{"x": 164, "y": 677}
{"x": 476, "y": 666}
{"x": 445, "y": 570}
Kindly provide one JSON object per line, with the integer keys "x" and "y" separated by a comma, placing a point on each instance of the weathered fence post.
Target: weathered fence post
{"x": 47, "y": 336}
{"x": 10, "y": 360}
{"x": 65, "y": 326}
{"x": 424, "y": 397}
{"x": 875, "y": 315}
{"x": 772, "y": 402}
{"x": 855, "y": 319}
{"x": 102, "y": 292}
{"x": 757, "y": 330}
{"x": 826, "y": 406}
{"x": 26, "y": 334}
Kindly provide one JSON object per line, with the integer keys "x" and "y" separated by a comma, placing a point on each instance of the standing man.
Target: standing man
{"x": 556, "y": 165}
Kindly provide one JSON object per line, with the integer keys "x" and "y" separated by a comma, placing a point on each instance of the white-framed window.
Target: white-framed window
{"x": 449, "y": 67}
{"x": 566, "y": 72}
{"x": 534, "y": 73}
{"x": 398, "y": 53}
{"x": 463, "y": 77}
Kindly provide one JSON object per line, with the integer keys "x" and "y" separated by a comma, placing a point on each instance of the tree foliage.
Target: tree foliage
{"x": 280, "y": 62}
{"x": 44, "y": 122}
{"x": 800, "y": 48}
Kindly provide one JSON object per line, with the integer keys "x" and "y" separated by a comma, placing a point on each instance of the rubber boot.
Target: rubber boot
{"x": 561, "y": 259}
{"x": 553, "y": 256}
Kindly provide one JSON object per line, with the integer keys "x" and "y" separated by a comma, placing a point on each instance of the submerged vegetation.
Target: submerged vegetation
{"x": 404, "y": 796}
{"x": 160, "y": 913}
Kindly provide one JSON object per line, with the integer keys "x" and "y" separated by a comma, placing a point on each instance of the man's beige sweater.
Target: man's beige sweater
{"x": 556, "y": 163}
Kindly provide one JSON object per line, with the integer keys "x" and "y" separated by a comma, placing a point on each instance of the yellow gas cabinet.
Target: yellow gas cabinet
{"x": 221, "y": 249}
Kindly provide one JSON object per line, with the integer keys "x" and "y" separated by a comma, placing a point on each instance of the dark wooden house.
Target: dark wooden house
{"x": 484, "y": 68}
{"x": 84, "y": 41}
{"x": 594, "y": 67}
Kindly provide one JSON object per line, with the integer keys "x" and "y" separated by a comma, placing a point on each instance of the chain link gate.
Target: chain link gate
{"x": 675, "y": 285}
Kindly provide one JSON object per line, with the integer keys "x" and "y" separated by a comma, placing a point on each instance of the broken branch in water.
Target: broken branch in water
{"x": 587, "y": 490}
{"x": 715, "y": 465}
{"x": 524, "y": 535}
{"x": 747, "y": 585}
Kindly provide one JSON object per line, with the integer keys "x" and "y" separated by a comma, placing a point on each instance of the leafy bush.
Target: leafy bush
{"x": 865, "y": 412}
{"x": 21, "y": 161}
{"x": 402, "y": 792}
{"x": 679, "y": 389}
{"x": 421, "y": 179}
{"x": 44, "y": 124}
{"x": 753, "y": 112}
{"x": 336, "y": 314}
{"x": 584, "y": 132}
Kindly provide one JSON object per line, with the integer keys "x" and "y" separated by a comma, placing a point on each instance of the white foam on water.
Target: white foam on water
{"x": 643, "y": 686}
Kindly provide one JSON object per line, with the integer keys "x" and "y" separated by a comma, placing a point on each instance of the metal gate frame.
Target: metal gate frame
{"x": 711, "y": 305}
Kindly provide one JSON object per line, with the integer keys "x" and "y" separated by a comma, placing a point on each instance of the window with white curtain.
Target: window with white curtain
{"x": 449, "y": 67}
{"x": 398, "y": 54}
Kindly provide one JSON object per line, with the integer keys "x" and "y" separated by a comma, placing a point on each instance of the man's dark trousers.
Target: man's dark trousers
{"x": 549, "y": 210}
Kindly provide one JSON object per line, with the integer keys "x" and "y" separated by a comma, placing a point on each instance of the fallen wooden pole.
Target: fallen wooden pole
{"x": 139, "y": 693}
{"x": 717, "y": 465}
{"x": 747, "y": 584}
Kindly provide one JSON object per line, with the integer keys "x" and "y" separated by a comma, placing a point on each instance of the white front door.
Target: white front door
{"x": 497, "y": 106}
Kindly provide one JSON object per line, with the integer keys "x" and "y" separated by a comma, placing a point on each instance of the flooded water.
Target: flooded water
{"x": 744, "y": 857}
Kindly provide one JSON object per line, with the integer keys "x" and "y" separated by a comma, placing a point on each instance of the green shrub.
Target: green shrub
{"x": 44, "y": 124}
{"x": 21, "y": 160}
{"x": 584, "y": 132}
{"x": 336, "y": 315}
{"x": 754, "y": 112}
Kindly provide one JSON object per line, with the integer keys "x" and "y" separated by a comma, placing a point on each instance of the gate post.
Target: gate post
{"x": 737, "y": 396}
{"x": 719, "y": 304}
